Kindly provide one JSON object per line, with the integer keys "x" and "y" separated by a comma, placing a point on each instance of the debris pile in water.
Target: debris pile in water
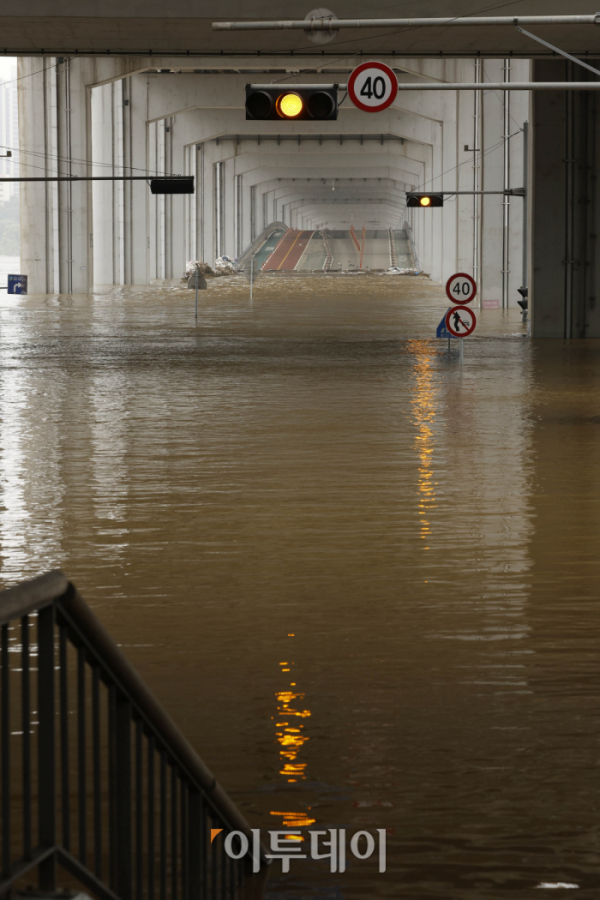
{"x": 223, "y": 266}
{"x": 398, "y": 270}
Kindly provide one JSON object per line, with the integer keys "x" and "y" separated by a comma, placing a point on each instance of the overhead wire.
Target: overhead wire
{"x": 38, "y": 71}
{"x": 73, "y": 159}
{"x": 392, "y": 33}
{"x": 464, "y": 163}
{"x": 499, "y": 97}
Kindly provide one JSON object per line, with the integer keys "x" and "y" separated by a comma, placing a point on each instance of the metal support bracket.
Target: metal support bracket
{"x": 566, "y": 55}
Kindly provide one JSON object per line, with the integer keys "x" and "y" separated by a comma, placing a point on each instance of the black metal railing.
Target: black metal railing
{"x": 95, "y": 777}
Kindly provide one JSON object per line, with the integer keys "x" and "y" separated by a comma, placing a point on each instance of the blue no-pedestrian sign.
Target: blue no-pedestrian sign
{"x": 17, "y": 284}
{"x": 442, "y": 331}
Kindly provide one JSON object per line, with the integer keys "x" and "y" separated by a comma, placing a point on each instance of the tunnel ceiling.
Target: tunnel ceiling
{"x": 185, "y": 26}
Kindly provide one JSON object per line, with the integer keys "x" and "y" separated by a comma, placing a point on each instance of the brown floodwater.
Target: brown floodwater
{"x": 363, "y": 580}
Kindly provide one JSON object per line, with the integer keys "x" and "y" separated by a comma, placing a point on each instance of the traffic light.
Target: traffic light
{"x": 424, "y": 201}
{"x": 178, "y": 184}
{"x": 294, "y": 103}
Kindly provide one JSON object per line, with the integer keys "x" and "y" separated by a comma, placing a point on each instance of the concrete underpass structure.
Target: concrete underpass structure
{"x": 99, "y": 102}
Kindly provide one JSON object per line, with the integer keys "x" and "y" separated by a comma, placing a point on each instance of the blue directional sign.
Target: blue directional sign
{"x": 17, "y": 284}
{"x": 442, "y": 331}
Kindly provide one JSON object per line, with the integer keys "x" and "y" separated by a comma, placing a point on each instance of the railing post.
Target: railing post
{"x": 46, "y": 729}
{"x": 123, "y": 823}
{"x": 194, "y": 844}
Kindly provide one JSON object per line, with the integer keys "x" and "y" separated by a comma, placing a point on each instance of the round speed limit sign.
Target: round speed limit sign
{"x": 461, "y": 288}
{"x": 373, "y": 87}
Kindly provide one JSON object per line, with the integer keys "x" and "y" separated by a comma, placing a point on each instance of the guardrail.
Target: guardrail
{"x": 258, "y": 242}
{"x": 328, "y": 254}
{"x": 411, "y": 247}
{"x": 95, "y": 777}
{"x": 393, "y": 258}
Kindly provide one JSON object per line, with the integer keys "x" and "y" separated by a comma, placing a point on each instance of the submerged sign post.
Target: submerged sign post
{"x": 17, "y": 284}
{"x": 460, "y": 321}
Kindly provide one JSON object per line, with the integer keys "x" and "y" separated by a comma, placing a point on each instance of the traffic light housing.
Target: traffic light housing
{"x": 292, "y": 104}
{"x": 178, "y": 184}
{"x": 424, "y": 200}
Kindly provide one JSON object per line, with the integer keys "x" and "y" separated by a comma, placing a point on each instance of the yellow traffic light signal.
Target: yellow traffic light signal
{"x": 423, "y": 200}
{"x": 289, "y": 106}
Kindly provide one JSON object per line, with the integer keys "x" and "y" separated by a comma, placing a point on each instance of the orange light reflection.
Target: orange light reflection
{"x": 424, "y": 409}
{"x": 291, "y": 738}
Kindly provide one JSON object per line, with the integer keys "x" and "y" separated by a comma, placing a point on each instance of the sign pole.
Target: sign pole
{"x": 251, "y": 275}
{"x": 196, "y": 277}
{"x": 462, "y": 350}
{"x": 525, "y": 275}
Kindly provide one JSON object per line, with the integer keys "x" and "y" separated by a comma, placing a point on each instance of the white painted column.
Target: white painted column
{"x": 210, "y": 158}
{"x": 137, "y": 197}
{"x": 176, "y": 202}
{"x": 76, "y": 274}
{"x": 492, "y": 179}
{"x": 106, "y": 225}
{"x": 229, "y": 205}
{"x": 38, "y": 156}
{"x": 152, "y": 263}
{"x": 200, "y": 201}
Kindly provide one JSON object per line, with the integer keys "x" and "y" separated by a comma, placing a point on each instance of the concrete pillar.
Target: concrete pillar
{"x": 466, "y": 208}
{"x": 57, "y": 123}
{"x": 210, "y": 160}
{"x": 491, "y": 179}
{"x": 229, "y": 248}
{"x": 103, "y": 159}
{"x": 502, "y": 161}
{"x": 246, "y": 225}
{"x": 176, "y": 202}
{"x": 137, "y": 195}
{"x": 108, "y": 197}
{"x": 200, "y": 203}
{"x": 153, "y": 266}
{"x": 74, "y": 147}
{"x": 565, "y": 198}
{"x": 37, "y": 97}
{"x": 164, "y": 211}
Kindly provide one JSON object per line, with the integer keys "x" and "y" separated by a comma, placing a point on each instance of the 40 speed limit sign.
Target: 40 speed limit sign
{"x": 461, "y": 288}
{"x": 373, "y": 86}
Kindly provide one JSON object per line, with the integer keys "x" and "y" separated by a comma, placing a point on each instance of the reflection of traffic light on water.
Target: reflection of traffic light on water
{"x": 291, "y": 736}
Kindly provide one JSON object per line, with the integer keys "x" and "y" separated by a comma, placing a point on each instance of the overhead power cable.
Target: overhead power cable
{"x": 468, "y": 161}
{"x": 76, "y": 160}
{"x": 388, "y": 33}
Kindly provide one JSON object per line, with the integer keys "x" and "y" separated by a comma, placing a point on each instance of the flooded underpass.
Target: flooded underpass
{"x": 361, "y": 579}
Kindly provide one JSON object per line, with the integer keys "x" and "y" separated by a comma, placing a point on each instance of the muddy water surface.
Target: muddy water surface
{"x": 363, "y": 582}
